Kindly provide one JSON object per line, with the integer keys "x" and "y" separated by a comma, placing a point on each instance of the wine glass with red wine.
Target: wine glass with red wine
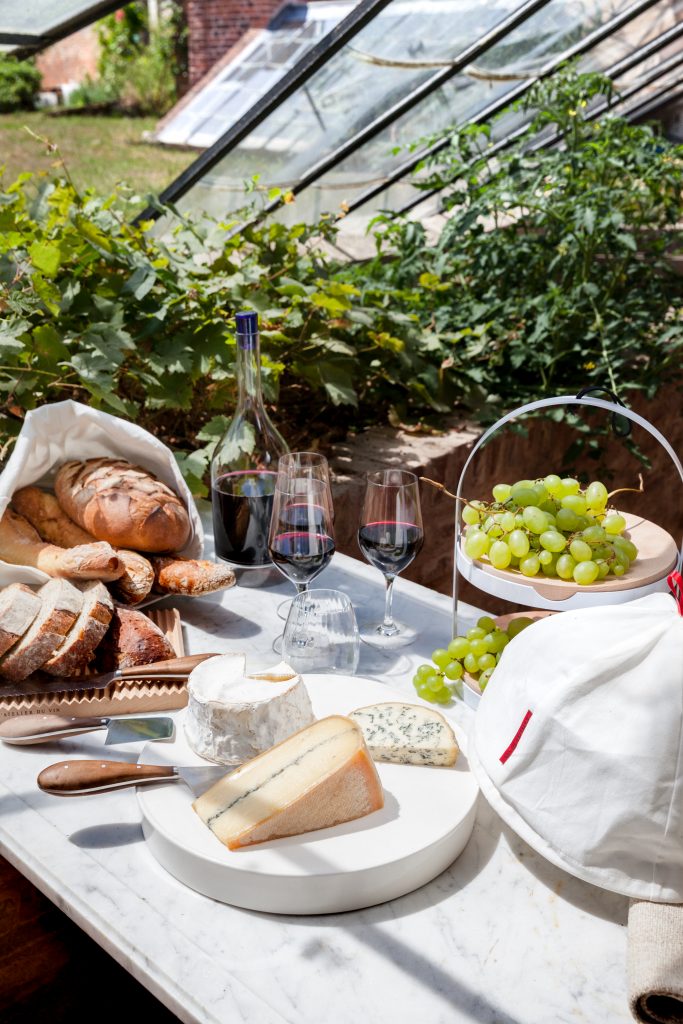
{"x": 295, "y": 465}
{"x": 301, "y": 538}
{"x": 390, "y": 536}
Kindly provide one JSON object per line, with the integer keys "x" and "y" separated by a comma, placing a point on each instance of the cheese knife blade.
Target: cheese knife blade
{"x": 24, "y": 730}
{"x": 81, "y": 778}
{"x": 173, "y": 669}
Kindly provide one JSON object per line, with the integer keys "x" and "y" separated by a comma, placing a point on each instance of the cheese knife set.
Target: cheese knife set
{"x": 297, "y": 795}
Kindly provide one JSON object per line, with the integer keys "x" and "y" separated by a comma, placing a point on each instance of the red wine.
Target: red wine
{"x": 241, "y": 504}
{"x": 301, "y": 556}
{"x": 390, "y": 546}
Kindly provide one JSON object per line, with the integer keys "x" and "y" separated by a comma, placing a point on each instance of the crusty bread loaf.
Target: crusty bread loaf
{"x": 189, "y": 576}
{"x": 20, "y": 544}
{"x": 75, "y": 654}
{"x": 19, "y": 606}
{"x": 123, "y": 504}
{"x": 61, "y": 604}
{"x": 133, "y": 639}
{"x": 137, "y": 579}
{"x": 47, "y": 516}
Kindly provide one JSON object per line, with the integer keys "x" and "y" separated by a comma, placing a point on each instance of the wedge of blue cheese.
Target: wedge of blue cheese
{"x": 407, "y": 734}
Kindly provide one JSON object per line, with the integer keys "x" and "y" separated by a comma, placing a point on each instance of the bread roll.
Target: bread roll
{"x": 21, "y": 545}
{"x": 137, "y": 579}
{"x": 123, "y": 504}
{"x": 133, "y": 639}
{"x": 189, "y": 577}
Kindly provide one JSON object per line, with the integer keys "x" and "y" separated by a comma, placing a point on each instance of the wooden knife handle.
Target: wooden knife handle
{"x": 161, "y": 669}
{"x": 77, "y": 778}
{"x": 36, "y": 728}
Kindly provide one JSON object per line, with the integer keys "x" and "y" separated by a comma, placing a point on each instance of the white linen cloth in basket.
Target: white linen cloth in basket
{"x": 578, "y": 744}
{"x": 54, "y": 434}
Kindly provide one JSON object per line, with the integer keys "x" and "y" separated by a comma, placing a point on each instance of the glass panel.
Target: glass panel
{"x": 404, "y": 45}
{"x": 241, "y": 83}
{"x": 40, "y": 17}
{"x": 541, "y": 40}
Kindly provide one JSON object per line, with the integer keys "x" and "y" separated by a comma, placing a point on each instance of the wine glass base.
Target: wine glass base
{"x": 283, "y": 609}
{"x": 277, "y": 643}
{"x": 372, "y": 634}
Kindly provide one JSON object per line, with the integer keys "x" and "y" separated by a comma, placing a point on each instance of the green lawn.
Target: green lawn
{"x": 99, "y": 151}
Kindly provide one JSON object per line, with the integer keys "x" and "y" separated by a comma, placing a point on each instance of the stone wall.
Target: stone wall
{"x": 508, "y": 457}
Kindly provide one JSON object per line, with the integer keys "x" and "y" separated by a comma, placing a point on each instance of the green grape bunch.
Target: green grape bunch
{"x": 477, "y": 653}
{"x": 550, "y": 527}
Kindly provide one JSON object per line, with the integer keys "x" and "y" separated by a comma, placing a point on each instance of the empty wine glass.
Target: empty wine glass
{"x": 321, "y": 634}
{"x": 390, "y": 536}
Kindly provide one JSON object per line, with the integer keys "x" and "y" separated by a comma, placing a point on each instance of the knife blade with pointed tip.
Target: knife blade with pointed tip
{"x": 24, "y": 730}
{"x": 41, "y": 683}
{"x": 81, "y": 778}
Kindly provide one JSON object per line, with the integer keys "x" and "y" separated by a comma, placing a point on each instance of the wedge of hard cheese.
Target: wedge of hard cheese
{"x": 407, "y": 734}
{"x": 319, "y": 777}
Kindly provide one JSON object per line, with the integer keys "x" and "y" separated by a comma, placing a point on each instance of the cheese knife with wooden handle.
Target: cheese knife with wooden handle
{"x": 81, "y": 778}
{"x": 171, "y": 669}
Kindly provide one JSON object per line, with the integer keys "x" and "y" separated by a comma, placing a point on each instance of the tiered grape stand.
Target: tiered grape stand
{"x": 658, "y": 554}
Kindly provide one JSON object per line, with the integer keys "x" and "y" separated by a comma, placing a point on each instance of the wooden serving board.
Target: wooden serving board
{"x": 126, "y": 696}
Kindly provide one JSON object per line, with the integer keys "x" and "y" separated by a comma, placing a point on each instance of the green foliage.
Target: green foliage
{"x": 106, "y": 312}
{"x": 551, "y": 272}
{"x": 138, "y": 65}
{"x": 19, "y": 83}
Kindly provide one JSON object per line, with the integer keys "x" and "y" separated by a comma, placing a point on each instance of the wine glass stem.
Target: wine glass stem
{"x": 388, "y": 627}
{"x": 301, "y": 588}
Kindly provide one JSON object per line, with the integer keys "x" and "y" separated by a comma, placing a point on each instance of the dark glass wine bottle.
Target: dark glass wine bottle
{"x": 244, "y": 466}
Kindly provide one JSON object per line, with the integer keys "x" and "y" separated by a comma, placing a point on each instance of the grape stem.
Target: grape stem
{"x": 449, "y": 494}
{"x": 629, "y": 490}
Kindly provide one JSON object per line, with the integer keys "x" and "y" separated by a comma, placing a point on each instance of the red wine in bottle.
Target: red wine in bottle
{"x": 244, "y": 466}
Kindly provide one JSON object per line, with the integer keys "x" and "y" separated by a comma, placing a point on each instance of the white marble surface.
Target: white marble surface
{"x": 502, "y": 937}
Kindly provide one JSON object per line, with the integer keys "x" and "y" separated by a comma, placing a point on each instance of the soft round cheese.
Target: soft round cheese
{"x": 231, "y": 716}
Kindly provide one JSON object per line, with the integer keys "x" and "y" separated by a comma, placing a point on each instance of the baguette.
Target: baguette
{"x": 61, "y": 605}
{"x": 74, "y": 655}
{"x": 19, "y": 606}
{"x": 20, "y": 544}
{"x": 121, "y": 503}
{"x": 47, "y": 516}
{"x": 189, "y": 577}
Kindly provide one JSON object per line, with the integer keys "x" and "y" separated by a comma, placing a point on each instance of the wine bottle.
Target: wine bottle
{"x": 244, "y": 466}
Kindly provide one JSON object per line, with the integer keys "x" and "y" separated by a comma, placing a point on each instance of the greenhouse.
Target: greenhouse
{"x": 341, "y": 456}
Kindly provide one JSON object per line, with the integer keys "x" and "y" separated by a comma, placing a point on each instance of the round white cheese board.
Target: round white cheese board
{"x": 426, "y": 821}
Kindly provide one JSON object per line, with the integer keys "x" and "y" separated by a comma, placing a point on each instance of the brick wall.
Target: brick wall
{"x": 70, "y": 60}
{"x": 216, "y": 25}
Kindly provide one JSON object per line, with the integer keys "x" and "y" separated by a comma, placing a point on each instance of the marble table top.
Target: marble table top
{"x": 501, "y": 937}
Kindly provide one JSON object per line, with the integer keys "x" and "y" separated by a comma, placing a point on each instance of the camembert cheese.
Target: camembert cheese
{"x": 321, "y": 776}
{"x": 407, "y": 734}
{"x": 231, "y": 716}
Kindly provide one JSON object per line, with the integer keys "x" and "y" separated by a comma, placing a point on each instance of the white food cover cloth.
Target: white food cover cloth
{"x": 54, "y": 434}
{"x": 578, "y": 744}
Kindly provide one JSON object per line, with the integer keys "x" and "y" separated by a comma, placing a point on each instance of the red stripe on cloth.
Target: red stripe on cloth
{"x": 675, "y": 581}
{"x": 516, "y": 738}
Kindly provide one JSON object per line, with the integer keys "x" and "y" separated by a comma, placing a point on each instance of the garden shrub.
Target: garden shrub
{"x": 19, "y": 83}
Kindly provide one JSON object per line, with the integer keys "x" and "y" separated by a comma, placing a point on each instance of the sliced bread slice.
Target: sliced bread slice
{"x": 93, "y": 622}
{"x": 19, "y": 605}
{"x": 61, "y": 605}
